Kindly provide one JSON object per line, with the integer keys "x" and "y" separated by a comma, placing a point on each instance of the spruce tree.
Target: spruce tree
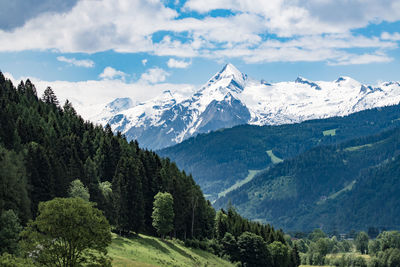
{"x": 49, "y": 97}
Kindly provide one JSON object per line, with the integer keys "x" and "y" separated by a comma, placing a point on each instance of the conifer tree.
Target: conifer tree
{"x": 49, "y": 97}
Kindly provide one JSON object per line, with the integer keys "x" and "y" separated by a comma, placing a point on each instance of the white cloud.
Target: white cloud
{"x": 86, "y": 63}
{"x": 362, "y": 59}
{"x": 288, "y": 17}
{"x": 92, "y": 93}
{"x": 392, "y": 37}
{"x": 180, "y": 64}
{"x": 311, "y": 28}
{"x": 154, "y": 75}
{"x": 110, "y": 73}
{"x": 144, "y": 62}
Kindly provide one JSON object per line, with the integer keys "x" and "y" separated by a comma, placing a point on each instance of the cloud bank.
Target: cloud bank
{"x": 255, "y": 31}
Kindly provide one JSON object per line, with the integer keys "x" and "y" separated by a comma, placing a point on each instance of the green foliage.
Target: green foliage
{"x": 374, "y": 246}
{"x": 44, "y": 147}
{"x": 253, "y": 250}
{"x": 77, "y": 189}
{"x": 8, "y": 260}
{"x": 69, "y": 232}
{"x": 389, "y": 239}
{"x": 128, "y": 196}
{"x": 316, "y": 234}
{"x": 10, "y": 228}
{"x": 13, "y": 184}
{"x": 49, "y": 97}
{"x": 362, "y": 242}
{"x": 163, "y": 213}
{"x": 230, "y": 247}
{"x": 219, "y": 159}
{"x": 280, "y": 254}
{"x": 328, "y": 186}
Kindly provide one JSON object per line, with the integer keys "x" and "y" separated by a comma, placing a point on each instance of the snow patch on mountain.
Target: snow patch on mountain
{"x": 230, "y": 98}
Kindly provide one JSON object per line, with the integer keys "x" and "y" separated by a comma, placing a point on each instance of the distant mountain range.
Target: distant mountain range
{"x": 231, "y": 98}
{"x": 220, "y": 159}
{"x": 337, "y": 174}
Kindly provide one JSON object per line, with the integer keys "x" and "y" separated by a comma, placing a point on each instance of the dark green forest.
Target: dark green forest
{"x": 351, "y": 185}
{"x": 218, "y": 159}
{"x": 45, "y": 148}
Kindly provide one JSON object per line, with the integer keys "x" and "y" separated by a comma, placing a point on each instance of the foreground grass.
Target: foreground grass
{"x": 146, "y": 251}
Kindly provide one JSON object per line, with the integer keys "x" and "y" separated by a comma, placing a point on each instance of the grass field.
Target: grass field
{"x": 334, "y": 195}
{"x": 146, "y": 251}
{"x": 274, "y": 159}
{"x": 238, "y": 184}
{"x": 331, "y": 132}
{"x": 355, "y": 148}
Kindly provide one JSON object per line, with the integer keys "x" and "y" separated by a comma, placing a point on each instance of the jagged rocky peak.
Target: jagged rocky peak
{"x": 120, "y": 104}
{"x": 167, "y": 94}
{"x": 341, "y": 79}
{"x": 232, "y": 74}
{"x": 305, "y": 81}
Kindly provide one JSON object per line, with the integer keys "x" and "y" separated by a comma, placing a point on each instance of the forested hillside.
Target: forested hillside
{"x": 44, "y": 147}
{"x": 218, "y": 159}
{"x": 50, "y": 157}
{"x": 351, "y": 185}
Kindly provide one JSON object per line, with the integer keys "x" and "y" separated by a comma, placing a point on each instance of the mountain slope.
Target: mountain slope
{"x": 352, "y": 185}
{"x": 231, "y": 98}
{"x": 218, "y": 159}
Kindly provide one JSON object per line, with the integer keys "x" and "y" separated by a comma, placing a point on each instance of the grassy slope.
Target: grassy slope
{"x": 146, "y": 251}
{"x": 274, "y": 159}
{"x": 238, "y": 184}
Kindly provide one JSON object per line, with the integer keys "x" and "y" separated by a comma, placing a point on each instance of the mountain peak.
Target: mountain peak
{"x": 229, "y": 77}
{"x": 120, "y": 104}
{"x": 230, "y": 69}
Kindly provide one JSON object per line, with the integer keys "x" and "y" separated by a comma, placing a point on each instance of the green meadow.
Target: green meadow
{"x": 146, "y": 251}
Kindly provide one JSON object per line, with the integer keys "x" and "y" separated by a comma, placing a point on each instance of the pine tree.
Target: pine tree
{"x": 49, "y": 97}
{"x": 128, "y": 196}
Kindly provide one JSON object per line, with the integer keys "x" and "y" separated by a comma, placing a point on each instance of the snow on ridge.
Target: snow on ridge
{"x": 267, "y": 103}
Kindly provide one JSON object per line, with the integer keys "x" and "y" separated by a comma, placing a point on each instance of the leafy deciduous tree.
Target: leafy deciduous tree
{"x": 68, "y": 232}
{"x": 163, "y": 213}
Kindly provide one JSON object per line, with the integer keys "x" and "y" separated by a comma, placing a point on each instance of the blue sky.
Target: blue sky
{"x": 141, "y": 47}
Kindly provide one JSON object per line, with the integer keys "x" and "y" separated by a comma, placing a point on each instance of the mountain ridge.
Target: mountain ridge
{"x": 231, "y": 98}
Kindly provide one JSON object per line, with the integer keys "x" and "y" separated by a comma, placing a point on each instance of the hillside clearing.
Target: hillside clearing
{"x": 274, "y": 159}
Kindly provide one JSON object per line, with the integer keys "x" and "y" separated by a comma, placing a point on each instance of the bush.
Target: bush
{"x": 8, "y": 260}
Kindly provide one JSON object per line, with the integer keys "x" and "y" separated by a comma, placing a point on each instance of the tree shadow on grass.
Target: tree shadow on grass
{"x": 144, "y": 241}
{"x": 179, "y": 250}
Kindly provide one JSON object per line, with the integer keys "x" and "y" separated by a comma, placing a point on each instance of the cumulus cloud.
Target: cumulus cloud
{"x": 92, "y": 95}
{"x": 180, "y": 64}
{"x": 391, "y": 36}
{"x": 304, "y": 30}
{"x": 110, "y": 73}
{"x": 16, "y": 12}
{"x": 154, "y": 75}
{"x": 144, "y": 62}
{"x": 86, "y": 63}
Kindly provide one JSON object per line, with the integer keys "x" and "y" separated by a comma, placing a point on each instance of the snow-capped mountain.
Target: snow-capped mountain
{"x": 230, "y": 98}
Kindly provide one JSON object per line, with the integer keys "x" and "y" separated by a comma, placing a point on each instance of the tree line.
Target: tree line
{"x": 48, "y": 152}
